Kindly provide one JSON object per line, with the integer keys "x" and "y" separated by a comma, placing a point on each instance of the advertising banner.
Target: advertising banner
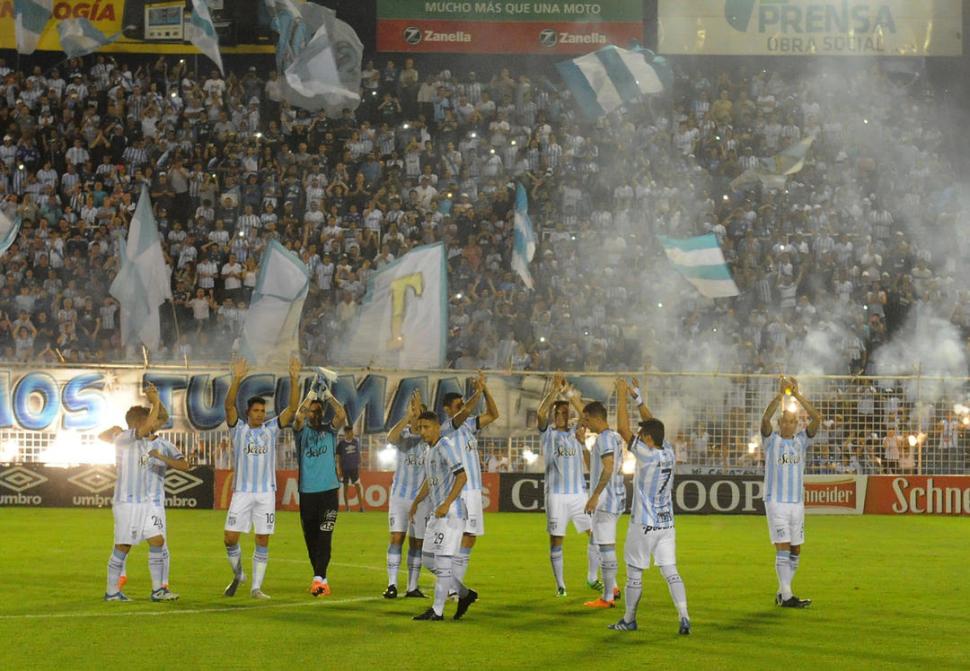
{"x": 376, "y": 486}
{"x": 93, "y": 486}
{"x": 507, "y": 27}
{"x": 108, "y": 16}
{"x": 918, "y": 495}
{"x": 835, "y": 494}
{"x": 810, "y": 27}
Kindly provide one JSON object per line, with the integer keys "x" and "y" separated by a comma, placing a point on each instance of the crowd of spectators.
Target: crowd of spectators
{"x": 840, "y": 256}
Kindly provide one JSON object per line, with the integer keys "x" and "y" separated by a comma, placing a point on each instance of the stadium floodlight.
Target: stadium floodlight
{"x": 629, "y": 464}
{"x": 912, "y": 440}
{"x": 9, "y": 451}
{"x": 529, "y": 456}
{"x": 387, "y": 456}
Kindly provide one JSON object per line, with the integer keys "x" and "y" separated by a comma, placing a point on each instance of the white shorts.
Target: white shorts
{"x": 443, "y": 535}
{"x": 786, "y": 522}
{"x": 561, "y": 508}
{"x": 604, "y": 527}
{"x": 398, "y": 514}
{"x": 643, "y": 541}
{"x": 136, "y": 522}
{"x": 252, "y": 511}
{"x": 471, "y": 499}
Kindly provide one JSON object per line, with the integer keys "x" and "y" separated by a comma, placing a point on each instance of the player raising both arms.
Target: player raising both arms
{"x": 444, "y": 479}
{"x": 565, "y": 483}
{"x": 319, "y": 479}
{"x": 461, "y": 423}
{"x": 408, "y": 478}
{"x": 785, "y": 454}
{"x": 253, "y": 503}
{"x": 136, "y": 516}
{"x": 607, "y": 500}
{"x": 651, "y": 530}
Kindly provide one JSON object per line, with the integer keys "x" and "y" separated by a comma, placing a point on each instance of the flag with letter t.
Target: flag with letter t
{"x": 144, "y": 281}
{"x": 271, "y": 332}
{"x": 403, "y": 321}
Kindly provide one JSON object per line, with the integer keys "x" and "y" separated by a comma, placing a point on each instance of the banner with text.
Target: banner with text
{"x": 93, "y": 486}
{"x": 507, "y": 27}
{"x": 918, "y": 495}
{"x": 810, "y": 27}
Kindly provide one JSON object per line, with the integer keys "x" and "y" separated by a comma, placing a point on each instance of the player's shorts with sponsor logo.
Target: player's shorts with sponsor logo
{"x": 786, "y": 522}
{"x": 399, "y": 512}
{"x": 561, "y": 509}
{"x": 644, "y": 542}
{"x": 136, "y": 522}
{"x": 443, "y": 535}
{"x": 252, "y": 511}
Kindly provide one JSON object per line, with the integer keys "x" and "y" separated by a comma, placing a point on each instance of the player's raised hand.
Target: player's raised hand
{"x": 621, "y": 387}
{"x": 295, "y": 366}
{"x": 239, "y": 367}
{"x": 784, "y": 386}
{"x": 558, "y": 381}
{"x": 635, "y": 389}
{"x": 793, "y": 385}
{"x": 151, "y": 393}
{"x": 480, "y": 382}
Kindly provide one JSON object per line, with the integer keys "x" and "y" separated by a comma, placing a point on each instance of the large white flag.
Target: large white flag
{"x": 30, "y": 19}
{"x": 701, "y": 262}
{"x": 144, "y": 281}
{"x": 403, "y": 322}
{"x": 325, "y": 74}
{"x": 202, "y": 32}
{"x": 271, "y": 332}
{"x": 9, "y": 228}
{"x": 604, "y": 80}
{"x": 79, "y": 37}
{"x": 773, "y": 172}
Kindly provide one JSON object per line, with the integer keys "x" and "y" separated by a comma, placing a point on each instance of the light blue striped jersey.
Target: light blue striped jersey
{"x": 563, "y": 455}
{"x": 131, "y": 462}
{"x": 613, "y": 497}
{"x": 785, "y": 467}
{"x": 442, "y": 463}
{"x": 157, "y": 468}
{"x": 468, "y": 445}
{"x": 254, "y": 456}
{"x": 653, "y": 485}
{"x": 409, "y": 473}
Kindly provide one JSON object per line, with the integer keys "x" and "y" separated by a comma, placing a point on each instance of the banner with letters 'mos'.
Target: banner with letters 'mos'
{"x": 517, "y": 27}
{"x": 810, "y": 27}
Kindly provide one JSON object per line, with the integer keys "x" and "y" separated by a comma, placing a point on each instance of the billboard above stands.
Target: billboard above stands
{"x": 422, "y": 26}
{"x": 110, "y": 17}
{"x": 810, "y": 27}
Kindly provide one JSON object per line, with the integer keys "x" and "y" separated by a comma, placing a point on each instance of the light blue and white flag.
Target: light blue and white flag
{"x": 202, "y": 33}
{"x": 8, "y": 231}
{"x": 326, "y": 73}
{"x": 773, "y": 172}
{"x": 144, "y": 281}
{"x": 702, "y": 264}
{"x": 403, "y": 321}
{"x": 79, "y": 37}
{"x": 524, "y": 247}
{"x": 291, "y": 29}
{"x": 271, "y": 332}
{"x": 604, "y": 80}
{"x": 30, "y": 19}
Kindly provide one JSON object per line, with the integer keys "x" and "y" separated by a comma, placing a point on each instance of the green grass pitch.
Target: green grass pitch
{"x": 889, "y": 593}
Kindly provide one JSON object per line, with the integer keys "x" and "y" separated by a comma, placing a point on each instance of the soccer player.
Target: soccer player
{"x": 785, "y": 453}
{"x": 466, "y": 427}
{"x": 408, "y": 478}
{"x": 651, "y": 531}
{"x": 253, "y": 503}
{"x": 319, "y": 483}
{"x": 607, "y": 500}
{"x": 348, "y": 449}
{"x": 444, "y": 479}
{"x": 565, "y": 459}
{"x": 134, "y": 514}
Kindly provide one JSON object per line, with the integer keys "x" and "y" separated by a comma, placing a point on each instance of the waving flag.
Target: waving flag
{"x": 143, "y": 283}
{"x": 202, "y": 33}
{"x": 326, "y": 73}
{"x": 79, "y": 37}
{"x": 291, "y": 29}
{"x": 772, "y": 172}
{"x": 702, "y": 264}
{"x": 30, "y": 19}
{"x": 524, "y": 247}
{"x": 270, "y": 333}
{"x": 8, "y": 231}
{"x": 403, "y": 321}
{"x": 604, "y": 80}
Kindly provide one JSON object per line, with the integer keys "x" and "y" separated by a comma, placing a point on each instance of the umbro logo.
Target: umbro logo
{"x": 19, "y": 479}
{"x": 177, "y": 482}
{"x": 95, "y": 480}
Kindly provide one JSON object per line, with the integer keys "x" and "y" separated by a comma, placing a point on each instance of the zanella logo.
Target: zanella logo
{"x": 19, "y": 479}
{"x": 793, "y": 17}
{"x": 412, "y": 35}
{"x": 95, "y": 480}
{"x": 838, "y": 494}
{"x": 177, "y": 482}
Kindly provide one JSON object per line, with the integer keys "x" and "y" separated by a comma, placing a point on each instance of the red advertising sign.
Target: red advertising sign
{"x": 834, "y": 494}
{"x": 918, "y": 495}
{"x": 376, "y": 486}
